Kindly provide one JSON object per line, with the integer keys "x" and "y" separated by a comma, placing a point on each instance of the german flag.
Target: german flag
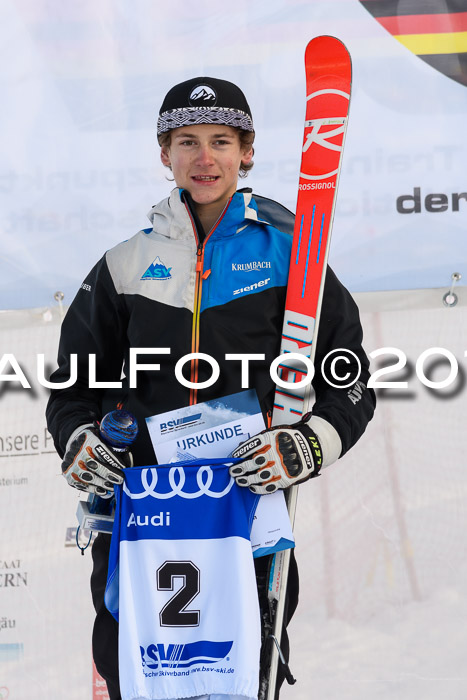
{"x": 434, "y": 30}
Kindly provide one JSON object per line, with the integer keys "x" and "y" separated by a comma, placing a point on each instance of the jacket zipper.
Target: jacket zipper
{"x": 200, "y": 276}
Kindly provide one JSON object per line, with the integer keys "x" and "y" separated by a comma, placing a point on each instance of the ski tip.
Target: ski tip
{"x": 327, "y": 41}
{"x": 330, "y": 54}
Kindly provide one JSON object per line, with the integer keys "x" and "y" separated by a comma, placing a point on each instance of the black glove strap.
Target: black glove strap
{"x": 312, "y": 441}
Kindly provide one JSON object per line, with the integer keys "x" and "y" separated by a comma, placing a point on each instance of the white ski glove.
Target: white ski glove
{"x": 278, "y": 458}
{"x": 91, "y": 465}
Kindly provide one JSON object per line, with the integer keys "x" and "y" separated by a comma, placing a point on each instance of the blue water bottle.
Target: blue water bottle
{"x": 118, "y": 429}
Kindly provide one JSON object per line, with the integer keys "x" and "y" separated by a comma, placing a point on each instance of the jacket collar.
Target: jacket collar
{"x": 170, "y": 217}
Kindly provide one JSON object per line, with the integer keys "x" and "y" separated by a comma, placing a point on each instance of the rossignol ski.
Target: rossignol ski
{"x": 328, "y": 84}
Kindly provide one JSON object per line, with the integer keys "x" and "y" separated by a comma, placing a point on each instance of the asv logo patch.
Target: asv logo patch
{"x": 157, "y": 271}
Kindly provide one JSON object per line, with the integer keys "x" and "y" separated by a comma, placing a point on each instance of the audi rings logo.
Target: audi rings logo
{"x": 4, "y": 693}
{"x": 177, "y": 479}
{"x": 324, "y": 133}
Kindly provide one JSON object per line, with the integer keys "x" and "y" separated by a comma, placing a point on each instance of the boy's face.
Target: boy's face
{"x": 205, "y": 160}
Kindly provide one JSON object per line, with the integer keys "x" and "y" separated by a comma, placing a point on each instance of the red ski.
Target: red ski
{"x": 328, "y": 83}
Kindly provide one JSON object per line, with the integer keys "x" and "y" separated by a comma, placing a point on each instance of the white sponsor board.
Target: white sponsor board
{"x": 44, "y": 581}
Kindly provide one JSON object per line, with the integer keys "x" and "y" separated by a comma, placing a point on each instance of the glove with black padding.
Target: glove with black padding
{"x": 91, "y": 465}
{"x": 278, "y": 458}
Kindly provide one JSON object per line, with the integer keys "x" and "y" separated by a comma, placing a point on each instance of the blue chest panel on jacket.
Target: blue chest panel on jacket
{"x": 243, "y": 259}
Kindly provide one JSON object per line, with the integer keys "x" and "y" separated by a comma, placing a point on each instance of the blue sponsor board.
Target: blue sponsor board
{"x": 11, "y": 652}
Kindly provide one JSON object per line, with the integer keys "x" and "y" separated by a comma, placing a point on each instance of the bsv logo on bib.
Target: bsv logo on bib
{"x": 180, "y": 656}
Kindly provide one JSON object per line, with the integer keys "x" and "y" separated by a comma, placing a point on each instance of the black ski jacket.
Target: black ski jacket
{"x": 169, "y": 287}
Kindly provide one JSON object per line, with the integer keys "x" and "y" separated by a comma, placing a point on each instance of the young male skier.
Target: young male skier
{"x": 210, "y": 275}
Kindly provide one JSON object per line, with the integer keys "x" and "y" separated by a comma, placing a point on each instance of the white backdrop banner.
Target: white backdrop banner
{"x": 83, "y": 82}
{"x": 46, "y": 612}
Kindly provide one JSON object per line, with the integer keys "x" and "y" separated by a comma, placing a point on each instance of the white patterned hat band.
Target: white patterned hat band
{"x": 188, "y": 116}
{"x": 204, "y": 101}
